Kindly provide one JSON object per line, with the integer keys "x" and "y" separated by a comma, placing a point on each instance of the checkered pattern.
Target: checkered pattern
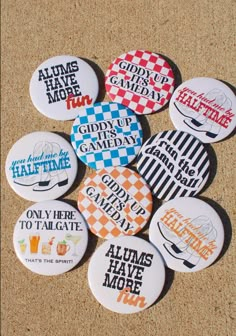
{"x": 116, "y": 154}
{"x": 136, "y": 101}
{"x": 99, "y": 222}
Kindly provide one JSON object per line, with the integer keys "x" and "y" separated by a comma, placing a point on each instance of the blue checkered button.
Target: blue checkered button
{"x": 106, "y": 134}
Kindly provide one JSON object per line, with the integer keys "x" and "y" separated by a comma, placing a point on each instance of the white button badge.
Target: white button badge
{"x": 204, "y": 107}
{"x": 126, "y": 274}
{"x": 50, "y": 237}
{"x": 61, "y": 85}
{"x": 188, "y": 233}
{"x": 41, "y": 166}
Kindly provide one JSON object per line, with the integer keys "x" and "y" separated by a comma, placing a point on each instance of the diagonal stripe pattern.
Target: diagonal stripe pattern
{"x": 174, "y": 164}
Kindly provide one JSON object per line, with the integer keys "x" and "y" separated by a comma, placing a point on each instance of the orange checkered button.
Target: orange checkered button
{"x": 115, "y": 201}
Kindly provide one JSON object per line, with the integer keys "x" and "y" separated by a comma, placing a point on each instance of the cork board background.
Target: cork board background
{"x": 199, "y": 37}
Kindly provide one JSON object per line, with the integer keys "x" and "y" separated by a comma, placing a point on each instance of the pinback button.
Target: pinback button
{"x": 140, "y": 80}
{"x": 115, "y": 201}
{"x": 106, "y": 134}
{"x": 41, "y": 166}
{"x": 188, "y": 233}
{"x": 204, "y": 107}
{"x": 50, "y": 238}
{"x": 174, "y": 164}
{"x": 130, "y": 275}
{"x": 61, "y": 85}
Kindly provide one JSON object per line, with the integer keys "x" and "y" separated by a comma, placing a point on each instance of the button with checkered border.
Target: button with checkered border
{"x": 106, "y": 134}
{"x": 115, "y": 201}
{"x": 140, "y": 80}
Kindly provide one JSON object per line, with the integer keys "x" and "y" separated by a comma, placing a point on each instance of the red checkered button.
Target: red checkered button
{"x": 140, "y": 80}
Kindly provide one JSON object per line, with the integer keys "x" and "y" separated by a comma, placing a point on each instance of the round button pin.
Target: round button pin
{"x": 106, "y": 134}
{"x": 130, "y": 276}
{"x": 50, "y": 237}
{"x": 204, "y": 107}
{"x": 140, "y": 80}
{"x": 62, "y": 85}
{"x": 174, "y": 164}
{"x": 115, "y": 201}
{"x": 41, "y": 166}
{"x": 188, "y": 233}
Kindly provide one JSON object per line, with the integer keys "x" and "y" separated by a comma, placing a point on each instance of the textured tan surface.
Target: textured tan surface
{"x": 199, "y": 37}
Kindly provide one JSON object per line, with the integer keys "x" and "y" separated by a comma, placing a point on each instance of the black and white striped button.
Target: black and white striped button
{"x": 174, "y": 164}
